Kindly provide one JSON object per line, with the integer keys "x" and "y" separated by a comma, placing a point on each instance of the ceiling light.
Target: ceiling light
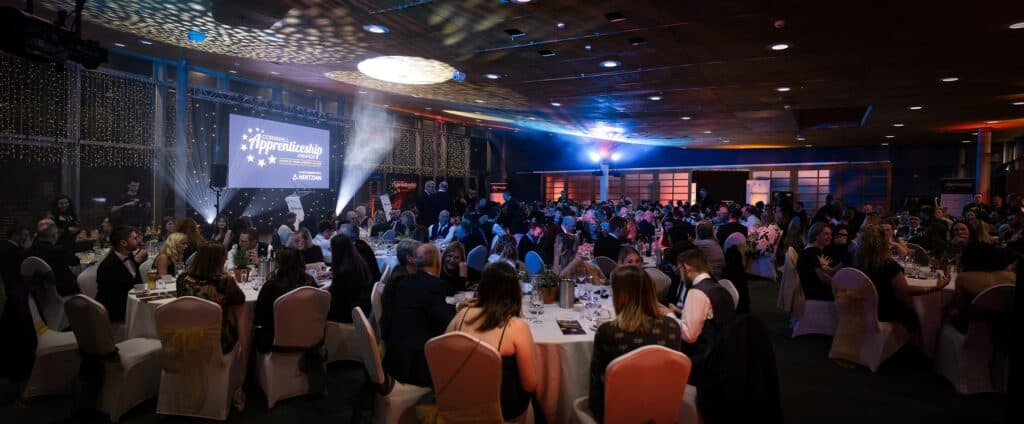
{"x": 686, "y": 118}
{"x": 514, "y": 32}
{"x": 991, "y": 122}
{"x": 196, "y": 36}
{"x": 615, "y": 17}
{"x": 560, "y": 25}
{"x": 616, "y": 156}
{"x": 1018, "y": 25}
{"x": 890, "y": 136}
{"x": 783, "y": 89}
{"x": 779, "y": 46}
{"x": 479, "y": 101}
{"x": 273, "y": 73}
{"x": 587, "y": 47}
{"x": 232, "y": 71}
{"x": 897, "y": 125}
{"x": 594, "y": 156}
{"x": 522, "y": 1}
{"x": 915, "y": 107}
{"x": 477, "y": 116}
{"x": 492, "y": 76}
{"x": 965, "y": 141}
{"x": 270, "y": 37}
{"x": 950, "y": 79}
{"x": 800, "y": 138}
{"x": 1018, "y": 103}
{"x": 429, "y": 108}
{"x": 146, "y": 42}
{"x": 555, "y": 104}
{"x": 118, "y": 45}
{"x": 376, "y": 29}
{"x": 725, "y": 141}
{"x": 807, "y": 145}
{"x": 610, "y": 63}
{"x": 309, "y": 90}
{"x": 531, "y": 118}
{"x": 707, "y": 131}
{"x": 362, "y": 92}
{"x": 654, "y": 98}
{"x": 885, "y": 144}
{"x": 546, "y": 53}
{"x": 196, "y": 6}
{"x": 637, "y": 41}
{"x": 407, "y": 70}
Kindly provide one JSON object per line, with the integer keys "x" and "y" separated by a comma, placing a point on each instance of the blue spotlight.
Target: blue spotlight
{"x": 594, "y": 156}
{"x": 196, "y": 36}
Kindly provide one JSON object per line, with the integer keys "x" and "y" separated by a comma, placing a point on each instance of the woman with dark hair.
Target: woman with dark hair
{"x": 221, "y": 232}
{"x": 166, "y": 228}
{"x": 494, "y": 319}
{"x": 206, "y": 279}
{"x": 630, "y": 256}
{"x": 978, "y": 251}
{"x": 638, "y": 322}
{"x": 352, "y": 282}
{"x": 547, "y": 243}
{"x": 289, "y": 274}
{"x": 453, "y": 267}
{"x": 190, "y": 229}
{"x": 380, "y": 224}
{"x": 63, "y": 214}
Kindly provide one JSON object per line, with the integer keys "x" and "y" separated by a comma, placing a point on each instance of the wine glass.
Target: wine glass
{"x": 536, "y": 307}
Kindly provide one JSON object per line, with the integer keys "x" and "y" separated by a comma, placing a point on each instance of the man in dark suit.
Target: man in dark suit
{"x": 16, "y": 327}
{"x": 531, "y": 240}
{"x": 609, "y": 245}
{"x": 364, "y": 249}
{"x": 416, "y": 312}
{"x": 425, "y": 204}
{"x": 512, "y": 216}
{"x": 680, "y": 242}
{"x": 733, "y": 226}
{"x": 443, "y": 199}
{"x": 59, "y": 258}
{"x": 118, "y": 272}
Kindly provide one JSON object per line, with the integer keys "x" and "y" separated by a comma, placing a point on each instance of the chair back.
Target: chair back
{"x": 35, "y": 269}
{"x": 734, "y": 239}
{"x": 477, "y": 258}
{"x": 189, "y": 331}
{"x": 646, "y": 385}
{"x": 856, "y": 302}
{"x": 388, "y": 236}
{"x": 91, "y": 325}
{"x": 918, "y": 254}
{"x": 731, "y": 288}
{"x": 38, "y": 273}
{"x": 188, "y": 262}
{"x": 300, "y": 317}
{"x": 987, "y": 307}
{"x": 466, "y": 372}
{"x": 494, "y": 241}
{"x": 386, "y": 275}
{"x": 661, "y": 280}
{"x": 87, "y": 281}
{"x": 534, "y": 263}
{"x": 377, "y": 303}
{"x": 369, "y": 351}
{"x": 790, "y": 282}
{"x": 606, "y": 264}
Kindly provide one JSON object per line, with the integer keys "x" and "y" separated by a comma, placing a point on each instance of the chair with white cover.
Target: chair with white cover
{"x": 39, "y": 275}
{"x": 388, "y": 236}
{"x": 734, "y": 239}
{"x": 147, "y": 265}
{"x": 729, "y": 287}
{"x": 534, "y": 263}
{"x": 645, "y": 385}
{"x": 918, "y": 254}
{"x": 970, "y": 361}
{"x": 87, "y": 281}
{"x": 467, "y": 377}
{"x": 197, "y": 380}
{"x": 130, "y": 369}
{"x": 812, "y": 316}
{"x": 395, "y": 402}
{"x": 477, "y": 258}
{"x": 188, "y": 261}
{"x": 790, "y": 282}
{"x": 606, "y": 264}
{"x": 56, "y": 365}
{"x": 859, "y": 336}
{"x": 300, "y": 319}
{"x": 661, "y": 280}
{"x": 377, "y": 303}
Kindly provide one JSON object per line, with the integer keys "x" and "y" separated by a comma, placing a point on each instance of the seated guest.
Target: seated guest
{"x": 566, "y": 243}
{"x": 813, "y": 267}
{"x": 118, "y": 273}
{"x": 58, "y": 257}
{"x": 896, "y": 246}
{"x": 467, "y": 235}
{"x": 978, "y": 249}
{"x": 494, "y": 319}
{"x": 302, "y": 241}
{"x": 710, "y": 247}
{"x": 324, "y": 231}
{"x": 170, "y": 254}
{"x": 575, "y": 265}
{"x": 735, "y": 270}
{"x": 405, "y": 252}
{"x": 416, "y": 312}
{"x": 380, "y": 224}
{"x": 190, "y": 229}
{"x": 363, "y": 249}
{"x": 249, "y": 243}
{"x": 453, "y": 268}
{"x": 207, "y": 280}
{"x": 289, "y": 274}
{"x": 645, "y": 227}
{"x": 442, "y": 229}
{"x": 638, "y": 322}
{"x": 679, "y": 242}
{"x": 530, "y": 242}
{"x": 68, "y": 225}
{"x": 839, "y": 250}
{"x": 352, "y": 281}
{"x": 547, "y": 243}
{"x": 707, "y": 311}
{"x": 630, "y": 256}
{"x": 894, "y": 294}
{"x": 406, "y": 225}
{"x": 102, "y": 234}
{"x": 609, "y": 245}
{"x": 505, "y": 250}
{"x": 733, "y": 226}
{"x": 912, "y": 230}
{"x": 288, "y": 226}
{"x": 221, "y": 232}
{"x": 166, "y": 228}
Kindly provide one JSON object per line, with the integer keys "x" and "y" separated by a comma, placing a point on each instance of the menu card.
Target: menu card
{"x": 572, "y": 327}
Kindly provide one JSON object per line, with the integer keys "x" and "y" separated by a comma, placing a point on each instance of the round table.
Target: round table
{"x": 384, "y": 259}
{"x": 929, "y": 309}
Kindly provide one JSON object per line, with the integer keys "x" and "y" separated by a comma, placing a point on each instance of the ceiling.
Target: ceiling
{"x": 707, "y": 60}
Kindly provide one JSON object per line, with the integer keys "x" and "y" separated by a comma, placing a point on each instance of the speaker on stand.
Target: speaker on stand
{"x": 218, "y": 181}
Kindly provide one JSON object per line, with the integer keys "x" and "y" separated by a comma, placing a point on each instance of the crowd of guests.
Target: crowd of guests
{"x": 695, "y": 246}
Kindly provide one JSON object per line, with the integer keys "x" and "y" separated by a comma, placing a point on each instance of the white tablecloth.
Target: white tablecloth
{"x": 384, "y": 259}
{"x": 929, "y": 309}
{"x": 139, "y": 319}
{"x": 563, "y": 361}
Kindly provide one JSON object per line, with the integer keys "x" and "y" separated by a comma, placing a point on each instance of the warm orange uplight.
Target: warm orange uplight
{"x": 1003, "y": 124}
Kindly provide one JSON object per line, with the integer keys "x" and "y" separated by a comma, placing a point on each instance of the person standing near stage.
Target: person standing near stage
{"x": 131, "y": 208}
{"x": 425, "y": 204}
{"x": 442, "y": 200}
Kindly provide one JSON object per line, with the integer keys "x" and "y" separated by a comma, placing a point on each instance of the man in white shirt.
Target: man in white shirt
{"x": 708, "y": 310}
{"x": 442, "y": 229}
{"x": 750, "y": 220}
{"x": 324, "y": 231}
{"x": 249, "y": 242}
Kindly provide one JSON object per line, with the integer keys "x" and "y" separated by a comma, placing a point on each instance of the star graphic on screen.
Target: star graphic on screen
{"x": 250, "y": 129}
{"x": 272, "y": 159}
{"x": 244, "y": 148}
{"x": 245, "y": 136}
{"x": 261, "y": 163}
{"x": 249, "y": 158}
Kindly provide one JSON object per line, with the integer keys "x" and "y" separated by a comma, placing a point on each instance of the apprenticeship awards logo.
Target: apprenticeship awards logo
{"x": 260, "y": 147}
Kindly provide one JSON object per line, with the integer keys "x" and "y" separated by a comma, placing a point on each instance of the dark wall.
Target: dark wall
{"x": 917, "y": 170}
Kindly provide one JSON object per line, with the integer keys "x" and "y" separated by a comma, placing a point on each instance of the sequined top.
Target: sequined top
{"x": 222, "y": 291}
{"x": 610, "y": 342}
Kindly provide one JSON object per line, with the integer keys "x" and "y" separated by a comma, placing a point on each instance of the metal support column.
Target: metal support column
{"x": 160, "y": 156}
{"x": 604, "y": 182}
{"x": 181, "y": 114}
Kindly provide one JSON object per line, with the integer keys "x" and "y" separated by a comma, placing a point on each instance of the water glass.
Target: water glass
{"x": 536, "y": 307}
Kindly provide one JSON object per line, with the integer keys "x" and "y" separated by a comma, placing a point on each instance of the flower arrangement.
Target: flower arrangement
{"x": 764, "y": 239}
{"x": 586, "y": 250}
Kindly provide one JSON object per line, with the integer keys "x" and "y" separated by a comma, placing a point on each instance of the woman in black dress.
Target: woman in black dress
{"x": 352, "y": 282}
{"x": 289, "y": 274}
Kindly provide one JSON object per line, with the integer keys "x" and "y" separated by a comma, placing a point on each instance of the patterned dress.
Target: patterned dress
{"x": 610, "y": 342}
{"x": 221, "y": 290}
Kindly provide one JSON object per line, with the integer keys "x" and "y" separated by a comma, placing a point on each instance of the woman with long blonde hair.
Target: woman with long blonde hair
{"x": 171, "y": 253}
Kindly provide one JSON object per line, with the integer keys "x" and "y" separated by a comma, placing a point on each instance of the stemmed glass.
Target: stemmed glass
{"x": 536, "y": 307}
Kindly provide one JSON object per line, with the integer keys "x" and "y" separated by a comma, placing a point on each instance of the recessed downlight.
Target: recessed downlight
{"x": 779, "y": 46}
{"x": 146, "y": 42}
{"x": 726, "y": 141}
{"x": 807, "y": 145}
{"x": 965, "y": 141}
{"x": 1017, "y": 25}
{"x": 707, "y": 131}
{"x": 555, "y": 104}
{"x": 118, "y": 45}
{"x": 686, "y": 118}
{"x": 610, "y": 63}
{"x": 783, "y": 89}
{"x": 654, "y": 98}
{"x": 890, "y": 136}
{"x": 915, "y": 107}
{"x": 885, "y": 144}
{"x": 274, "y": 73}
{"x": 232, "y": 71}
{"x": 479, "y": 101}
{"x": 949, "y": 79}
{"x": 991, "y": 122}
{"x": 1018, "y": 103}
{"x": 492, "y": 76}
{"x": 376, "y": 29}
{"x": 897, "y": 125}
